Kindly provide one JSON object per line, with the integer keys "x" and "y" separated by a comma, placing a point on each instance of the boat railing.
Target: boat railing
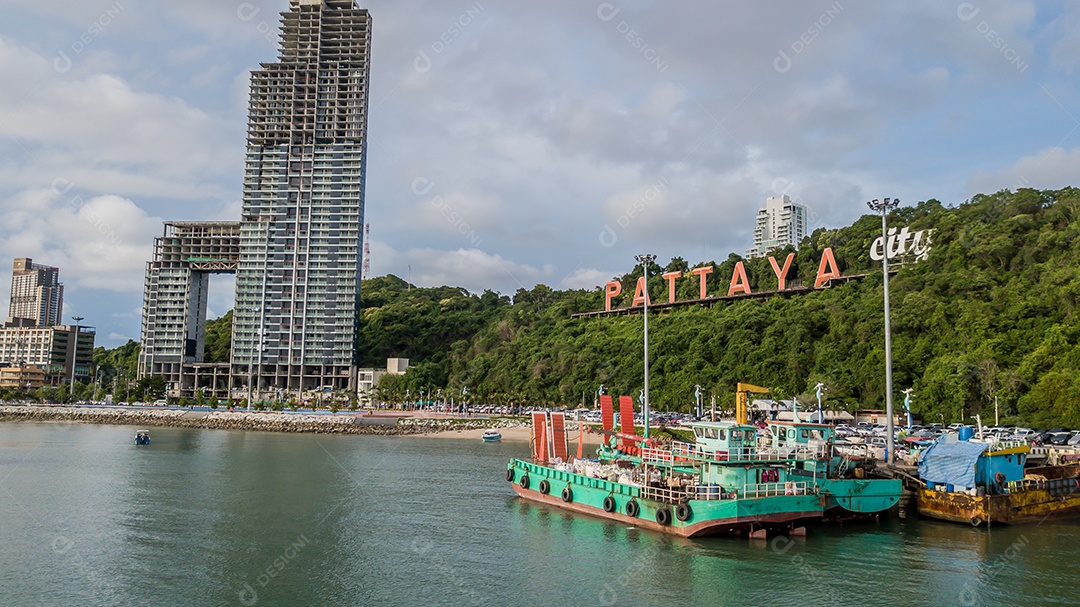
{"x": 657, "y": 456}
{"x": 816, "y": 452}
{"x": 686, "y": 492}
{"x": 773, "y": 489}
{"x": 1002, "y": 445}
{"x": 688, "y": 452}
{"x": 1056, "y": 486}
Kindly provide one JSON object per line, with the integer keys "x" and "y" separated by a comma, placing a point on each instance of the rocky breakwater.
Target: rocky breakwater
{"x": 350, "y": 423}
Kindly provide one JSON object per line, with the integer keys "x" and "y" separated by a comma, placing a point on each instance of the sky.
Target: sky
{"x": 515, "y": 143}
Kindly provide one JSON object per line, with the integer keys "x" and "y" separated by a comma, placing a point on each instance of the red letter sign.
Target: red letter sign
{"x": 824, "y": 273}
{"x": 738, "y": 281}
{"x": 781, "y": 275}
{"x": 702, "y": 272}
{"x": 641, "y": 294}
{"x": 670, "y": 277}
{"x": 612, "y": 289}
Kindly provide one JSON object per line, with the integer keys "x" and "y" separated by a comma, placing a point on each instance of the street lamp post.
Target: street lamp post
{"x": 818, "y": 390}
{"x": 883, "y": 207}
{"x": 74, "y": 354}
{"x": 907, "y": 405}
{"x": 645, "y": 259}
{"x": 251, "y": 359}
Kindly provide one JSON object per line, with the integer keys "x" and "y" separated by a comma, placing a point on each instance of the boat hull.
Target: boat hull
{"x": 858, "y": 498}
{"x": 744, "y": 516}
{"x": 1031, "y": 506}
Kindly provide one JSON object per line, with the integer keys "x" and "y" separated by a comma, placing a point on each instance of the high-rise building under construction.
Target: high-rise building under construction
{"x": 298, "y": 282}
{"x": 300, "y": 240}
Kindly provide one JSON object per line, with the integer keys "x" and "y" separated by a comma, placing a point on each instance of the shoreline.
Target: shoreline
{"x": 360, "y": 423}
{"x": 510, "y": 434}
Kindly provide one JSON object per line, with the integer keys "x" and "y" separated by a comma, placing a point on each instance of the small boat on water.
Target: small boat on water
{"x": 979, "y": 483}
{"x": 142, "y": 437}
{"x": 491, "y": 435}
{"x": 725, "y": 482}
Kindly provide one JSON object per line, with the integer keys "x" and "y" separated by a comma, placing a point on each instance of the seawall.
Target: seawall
{"x": 349, "y": 423}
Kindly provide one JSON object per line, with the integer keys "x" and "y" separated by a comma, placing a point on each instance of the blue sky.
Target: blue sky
{"x": 508, "y": 140}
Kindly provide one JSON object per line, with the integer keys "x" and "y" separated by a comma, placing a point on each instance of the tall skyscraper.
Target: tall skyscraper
{"x": 37, "y": 297}
{"x": 782, "y": 222}
{"x": 175, "y": 296}
{"x": 296, "y": 317}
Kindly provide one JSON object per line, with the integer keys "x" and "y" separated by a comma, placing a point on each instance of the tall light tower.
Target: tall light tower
{"x": 74, "y": 354}
{"x": 883, "y": 207}
{"x": 645, "y": 259}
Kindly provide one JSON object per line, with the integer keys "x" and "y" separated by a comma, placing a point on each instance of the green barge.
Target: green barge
{"x": 728, "y": 482}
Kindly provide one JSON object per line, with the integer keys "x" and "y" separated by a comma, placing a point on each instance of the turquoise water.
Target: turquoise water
{"x": 204, "y": 517}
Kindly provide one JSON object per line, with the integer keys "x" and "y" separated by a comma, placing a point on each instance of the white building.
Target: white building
{"x": 52, "y": 349}
{"x": 367, "y": 379}
{"x": 782, "y": 222}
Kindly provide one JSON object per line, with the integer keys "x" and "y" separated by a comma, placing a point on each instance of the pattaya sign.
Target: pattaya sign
{"x": 740, "y": 285}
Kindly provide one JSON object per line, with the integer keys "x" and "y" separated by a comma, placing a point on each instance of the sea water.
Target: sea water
{"x": 208, "y": 517}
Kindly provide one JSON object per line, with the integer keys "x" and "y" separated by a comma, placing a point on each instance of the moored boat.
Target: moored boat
{"x": 491, "y": 435}
{"x": 724, "y": 483}
{"x": 983, "y": 484}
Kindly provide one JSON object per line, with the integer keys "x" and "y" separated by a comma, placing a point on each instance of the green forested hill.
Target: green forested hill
{"x": 990, "y": 312}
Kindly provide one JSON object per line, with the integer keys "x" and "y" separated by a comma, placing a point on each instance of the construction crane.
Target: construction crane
{"x": 742, "y": 399}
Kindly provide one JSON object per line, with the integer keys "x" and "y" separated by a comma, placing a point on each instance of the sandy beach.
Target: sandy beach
{"x": 521, "y": 434}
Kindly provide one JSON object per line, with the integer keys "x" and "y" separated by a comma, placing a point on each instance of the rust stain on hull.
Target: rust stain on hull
{"x": 1012, "y": 508}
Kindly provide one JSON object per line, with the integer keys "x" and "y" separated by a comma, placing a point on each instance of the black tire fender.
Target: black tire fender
{"x": 683, "y": 512}
{"x": 663, "y": 516}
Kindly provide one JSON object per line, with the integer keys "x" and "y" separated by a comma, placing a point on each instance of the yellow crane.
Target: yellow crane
{"x": 742, "y": 399}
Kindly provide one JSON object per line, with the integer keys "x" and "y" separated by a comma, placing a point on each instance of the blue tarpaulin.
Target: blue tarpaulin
{"x": 951, "y": 463}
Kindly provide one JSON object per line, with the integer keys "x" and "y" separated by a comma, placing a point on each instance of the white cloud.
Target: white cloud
{"x": 101, "y": 243}
{"x": 101, "y": 133}
{"x": 1051, "y": 168}
{"x": 587, "y": 278}
{"x": 473, "y": 269}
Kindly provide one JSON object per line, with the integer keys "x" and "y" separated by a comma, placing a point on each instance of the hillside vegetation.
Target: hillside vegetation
{"x": 990, "y": 313}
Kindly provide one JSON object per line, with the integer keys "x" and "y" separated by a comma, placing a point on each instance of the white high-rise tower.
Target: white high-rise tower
{"x": 782, "y": 222}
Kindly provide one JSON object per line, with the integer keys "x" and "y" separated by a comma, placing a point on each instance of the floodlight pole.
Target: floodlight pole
{"x": 645, "y": 259}
{"x": 883, "y": 207}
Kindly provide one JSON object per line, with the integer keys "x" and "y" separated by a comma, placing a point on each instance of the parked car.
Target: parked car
{"x": 1059, "y": 438}
{"x": 1039, "y": 438}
